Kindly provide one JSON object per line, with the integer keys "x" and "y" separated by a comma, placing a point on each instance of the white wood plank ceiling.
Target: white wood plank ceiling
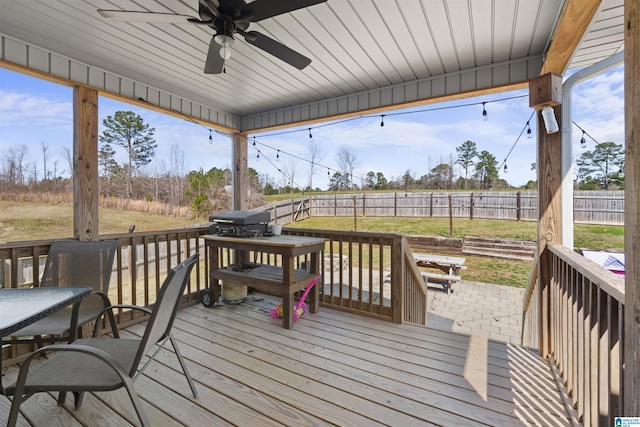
{"x": 366, "y": 54}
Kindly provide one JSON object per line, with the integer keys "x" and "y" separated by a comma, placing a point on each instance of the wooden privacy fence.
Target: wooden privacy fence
{"x": 601, "y": 207}
{"x": 577, "y": 320}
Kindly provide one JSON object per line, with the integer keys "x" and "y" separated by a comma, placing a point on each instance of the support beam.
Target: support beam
{"x": 632, "y": 209}
{"x": 547, "y": 90}
{"x": 240, "y": 173}
{"x": 575, "y": 19}
{"x": 85, "y": 163}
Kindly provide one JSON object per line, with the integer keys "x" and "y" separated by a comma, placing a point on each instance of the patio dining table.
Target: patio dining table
{"x": 21, "y": 307}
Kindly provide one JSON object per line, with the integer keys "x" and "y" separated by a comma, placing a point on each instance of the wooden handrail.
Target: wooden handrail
{"x": 585, "y": 309}
{"x": 379, "y": 279}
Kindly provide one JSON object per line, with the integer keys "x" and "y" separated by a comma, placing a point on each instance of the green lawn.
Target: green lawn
{"x": 34, "y": 221}
{"x": 482, "y": 269}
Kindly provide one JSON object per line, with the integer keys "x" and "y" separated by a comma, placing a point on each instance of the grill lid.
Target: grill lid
{"x": 241, "y": 217}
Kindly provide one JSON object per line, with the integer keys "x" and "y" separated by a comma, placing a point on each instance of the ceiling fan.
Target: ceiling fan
{"x": 228, "y": 17}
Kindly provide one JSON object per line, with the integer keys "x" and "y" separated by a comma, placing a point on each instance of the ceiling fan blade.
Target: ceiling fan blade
{"x": 214, "y": 63}
{"x": 277, "y": 49}
{"x": 263, "y": 9}
{"x": 208, "y": 9}
{"x": 131, "y": 16}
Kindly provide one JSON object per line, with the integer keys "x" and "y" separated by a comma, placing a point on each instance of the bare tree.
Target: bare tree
{"x": 347, "y": 161}
{"x": 66, "y": 154}
{"x": 176, "y": 174}
{"x": 289, "y": 171}
{"x": 45, "y": 149}
{"x": 315, "y": 156}
{"x": 14, "y": 169}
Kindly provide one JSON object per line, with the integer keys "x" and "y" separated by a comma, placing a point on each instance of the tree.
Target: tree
{"x": 315, "y": 156}
{"x": 127, "y": 130}
{"x": 467, "y": 152}
{"x": 339, "y": 182}
{"x": 486, "y": 169}
{"x": 604, "y": 164}
{"x": 441, "y": 176}
{"x": 347, "y": 161}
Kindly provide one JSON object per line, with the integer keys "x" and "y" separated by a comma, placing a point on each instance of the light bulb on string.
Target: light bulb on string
{"x": 210, "y": 137}
{"x": 278, "y": 155}
{"x": 254, "y": 141}
{"x": 583, "y": 142}
{"x": 485, "y": 115}
{"x": 506, "y": 169}
{"x": 310, "y": 136}
{"x": 382, "y": 120}
{"x": 528, "y": 130}
{"x": 328, "y": 174}
{"x": 258, "y": 156}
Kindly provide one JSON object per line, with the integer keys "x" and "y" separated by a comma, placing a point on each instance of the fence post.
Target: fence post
{"x": 335, "y": 205}
{"x": 519, "y": 205}
{"x": 395, "y": 204}
{"x": 364, "y": 205}
{"x": 431, "y": 205}
{"x": 471, "y": 205}
{"x": 355, "y": 214}
{"x": 450, "y": 216}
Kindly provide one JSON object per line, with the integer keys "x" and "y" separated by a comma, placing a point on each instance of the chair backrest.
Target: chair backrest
{"x": 165, "y": 308}
{"x": 80, "y": 263}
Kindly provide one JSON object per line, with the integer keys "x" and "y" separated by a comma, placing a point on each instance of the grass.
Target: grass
{"x": 21, "y": 221}
{"x": 481, "y": 269}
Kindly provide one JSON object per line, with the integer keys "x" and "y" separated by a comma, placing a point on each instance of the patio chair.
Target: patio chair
{"x": 102, "y": 363}
{"x": 74, "y": 263}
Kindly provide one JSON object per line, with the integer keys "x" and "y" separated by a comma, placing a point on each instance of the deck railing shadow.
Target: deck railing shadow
{"x": 577, "y": 322}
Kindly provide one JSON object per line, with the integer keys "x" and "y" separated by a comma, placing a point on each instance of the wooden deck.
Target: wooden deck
{"x": 332, "y": 368}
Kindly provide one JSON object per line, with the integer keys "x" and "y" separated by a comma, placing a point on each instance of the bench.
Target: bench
{"x": 447, "y": 279}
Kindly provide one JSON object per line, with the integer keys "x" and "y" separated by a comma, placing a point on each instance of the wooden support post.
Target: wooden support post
{"x": 632, "y": 209}
{"x": 544, "y": 91}
{"x": 85, "y": 164}
{"x": 240, "y": 172}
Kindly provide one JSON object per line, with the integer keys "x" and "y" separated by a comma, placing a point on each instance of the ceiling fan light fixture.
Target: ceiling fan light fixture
{"x": 225, "y": 50}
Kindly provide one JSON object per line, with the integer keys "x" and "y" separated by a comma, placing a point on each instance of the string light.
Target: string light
{"x": 526, "y": 128}
{"x": 210, "y": 137}
{"x": 583, "y": 142}
{"x": 278, "y": 155}
{"x": 506, "y": 169}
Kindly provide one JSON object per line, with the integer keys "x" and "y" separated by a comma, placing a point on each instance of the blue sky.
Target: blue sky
{"x": 34, "y": 111}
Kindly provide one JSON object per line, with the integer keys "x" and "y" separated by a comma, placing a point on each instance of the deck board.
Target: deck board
{"x": 332, "y": 368}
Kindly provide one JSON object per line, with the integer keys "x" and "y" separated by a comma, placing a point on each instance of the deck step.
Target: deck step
{"x": 499, "y": 248}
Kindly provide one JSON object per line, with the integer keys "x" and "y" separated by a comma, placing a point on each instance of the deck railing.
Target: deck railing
{"x": 371, "y": 274}
{"x": 584, "y": 307}
{"x": 367, "y": 273}
{"x": 141, "y": 263}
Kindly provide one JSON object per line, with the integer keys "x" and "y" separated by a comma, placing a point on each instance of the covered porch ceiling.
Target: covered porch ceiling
{"x": 367, "y": 55}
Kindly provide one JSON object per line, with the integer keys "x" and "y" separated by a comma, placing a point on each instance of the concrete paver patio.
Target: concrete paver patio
{"x": 480, "y": 309}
